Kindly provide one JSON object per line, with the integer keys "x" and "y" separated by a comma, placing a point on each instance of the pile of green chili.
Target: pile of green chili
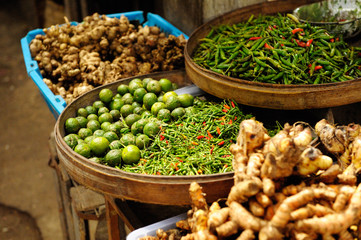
{"x": 278, "y": 49}
{"x": 197, "y": 143}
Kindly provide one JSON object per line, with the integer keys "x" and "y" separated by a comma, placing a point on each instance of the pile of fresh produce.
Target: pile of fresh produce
{"x": 278, "y": 49}
{"x": 284, "y": 187}
{"x": 145, "y": 127}
{"x": 74, "y": 59}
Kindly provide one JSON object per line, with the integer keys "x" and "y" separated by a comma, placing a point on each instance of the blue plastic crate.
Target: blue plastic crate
{"x": 150, "y": 230}
{"x": 56, "y": 103}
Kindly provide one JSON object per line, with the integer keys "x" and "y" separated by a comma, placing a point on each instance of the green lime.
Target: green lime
{"x": 139, "y": 94}
{"x": 81, "y": 141}
{"x": 174, "y": 86}
{"x": 72, "y": 125}
{"x": 128, "y": 98}
{"x": 172, "y": 103}
{"x": 123, "y": 89}
{"x": 88, "y": 139}
{"x": 186, "y": 100}
{"x": 131, "y": 154}
{"x": 98, "y": 133}
{"x": 126, "y": 110}
{"x": 138, "y": 110}
{"x": 151, "y": 129}
{"x": 127, "y": 139}
{"x": 117, "y": 96}
{"x": 106, "y": 95}
{"x": 116, "y": 104}
{"x": 178, "y": 112}
{"x": 82, "y": 112}
{"x": 136, "y": 104}
{"x": 114, "y": 128}
{"x": 190, "y": 111}
{"x": 156, "y": 107}
{"x": 138, "y": 126}
{"x": 168, "y": 94}
{"x": 92, "y": 116}
{"x": 105, "y": 117}
{"x": 131, "y": 118}
{"x": 145, "y": 82}
{"x": 154, "y": 86}
{"x": 99, "y": 146}
{"x": 135, "y": 80}
{"x": 71, "y": 140}
{"x": 166, "y": 84}
{"x": 113, "y": 157}
{"x": 133, "y": 85}
{"x": 102, "y": 110}
{"x": 164, "y": 115}
{"x": 160, "y": 98}
{"x": 146, "y": 114}
{"x": 93, "y": 125}
{"x": 97, "y": 105}
{"x": 119, "y": 124}
{"x": 149, "y": 99}
{"x": 116, "y": 144}
{"x": 111, "y": 136}
{"x": 91, "y": 110}
{"x": 82, "y": 121}
{"x": 96, "y": 159}
{"x": 142, "y": 141}
{"x": 84, "y": 132}
{"x": 105, "y": 126}
{"x": 115, "y": 114}
{"x": 83, "y": 149}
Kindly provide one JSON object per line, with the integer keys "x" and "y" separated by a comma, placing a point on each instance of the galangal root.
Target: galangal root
{"x": 285, "y": 187}
{"x": 74, "y": 59}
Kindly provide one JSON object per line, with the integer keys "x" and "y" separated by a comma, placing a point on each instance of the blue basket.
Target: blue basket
{"x": 56, "y": 103}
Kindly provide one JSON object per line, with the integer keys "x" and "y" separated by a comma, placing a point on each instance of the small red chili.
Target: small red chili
{"x": 200, "y": 137}
{"x": 296, "y": 30}
{"x": 224, "y": 110}
{"x": 220, "y": 143}
{"x": 309, "y": 42}
{"x": 268, "y": 46}
{"x": 232, "y": 104}
{"x": 226, "y": 106}
{"x": 218, "y": 130}
{"x": 209, "y": 134}
{"x": 318, "y": 67}
{"x": 230, "y": 122}
{"x": 211, "y": 151}
{"x": 254, "y": 38}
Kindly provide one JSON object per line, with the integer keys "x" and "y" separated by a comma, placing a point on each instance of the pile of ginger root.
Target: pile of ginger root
{"x": 284, "y": 187}
{"x": 74, "y": 59}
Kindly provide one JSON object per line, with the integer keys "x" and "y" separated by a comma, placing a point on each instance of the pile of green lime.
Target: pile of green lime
{"x": 117, "y": 126}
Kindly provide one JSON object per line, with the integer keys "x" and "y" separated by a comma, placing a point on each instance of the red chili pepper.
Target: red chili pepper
{"x": 224, "y": 110}
{"x": 268, "y": 46}
{"x": 235, "y": 118}
{"x": 230, "y": 122}
{"x": 195, "y": 143}
{"x": 220, "y": 143}
{"x": 158, "y": 173}
{"x": 209, "y": 134}
{"x": 309, "y": 42}
{"x": 161, "y": 137}
{"x": 296, "y": 30}
{"x": 211, "y": 151}
{"x": 204, "y": 123}
{"x": 166, "y": 141}
{"x": 218, "y": 130}
{"x": 300, "y": 43}
{"x": 225, "y": 165}
{"x": 232, "y": 104}
{"x": 318, "y": 67}
{"x": 332, "y": 40}
{"x": 181, "y": 160}
{"x": 226, "y": 106}
{"x": 254, "y": 38}
{"x": 200, "y": 137}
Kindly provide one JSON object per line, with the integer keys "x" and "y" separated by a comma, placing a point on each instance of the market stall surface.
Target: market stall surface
{"x": 28, "y": 204}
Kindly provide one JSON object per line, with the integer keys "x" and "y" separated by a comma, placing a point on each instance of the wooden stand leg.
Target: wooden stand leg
{"x": 112, "y": 221}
